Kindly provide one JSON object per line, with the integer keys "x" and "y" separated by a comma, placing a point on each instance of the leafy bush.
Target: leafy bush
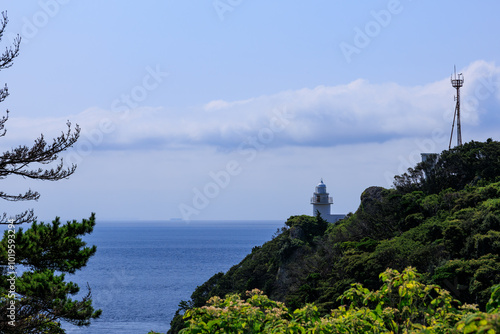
{"x": 402, "y": 305}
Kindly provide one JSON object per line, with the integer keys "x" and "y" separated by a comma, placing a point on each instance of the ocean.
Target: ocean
{"x": 142, "y": 270}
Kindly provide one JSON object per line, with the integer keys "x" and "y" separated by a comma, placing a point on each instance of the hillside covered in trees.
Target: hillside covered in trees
{"x": 442, "y": 217}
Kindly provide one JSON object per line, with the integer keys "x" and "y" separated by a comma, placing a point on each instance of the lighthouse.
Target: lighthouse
{"x": 321, "y": 202}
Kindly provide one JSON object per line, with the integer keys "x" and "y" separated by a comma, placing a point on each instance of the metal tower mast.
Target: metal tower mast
{"x": 457, "y": 82}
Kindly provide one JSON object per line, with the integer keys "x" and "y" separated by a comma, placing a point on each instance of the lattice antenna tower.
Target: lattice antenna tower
{"x": 457, "y": 82}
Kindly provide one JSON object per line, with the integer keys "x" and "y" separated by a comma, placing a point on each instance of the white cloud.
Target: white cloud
{"x": 357, "y": 112}
{"x": 221, "y": 104}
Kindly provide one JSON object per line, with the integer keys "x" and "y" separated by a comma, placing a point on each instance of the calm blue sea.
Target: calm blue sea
{"x": 142, "y": 270}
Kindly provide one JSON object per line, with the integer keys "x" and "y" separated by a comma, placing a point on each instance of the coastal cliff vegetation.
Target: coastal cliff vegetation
{"x": 441, "y": 219}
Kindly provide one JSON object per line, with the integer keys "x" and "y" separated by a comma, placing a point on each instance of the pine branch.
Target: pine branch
{"x": 27, "y": 216}
{"x": 7, "y": 58}
{"x": 18, "y": 160}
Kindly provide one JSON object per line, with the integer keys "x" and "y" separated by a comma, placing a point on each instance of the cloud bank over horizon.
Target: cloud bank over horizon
{"x": 325, "y": 116}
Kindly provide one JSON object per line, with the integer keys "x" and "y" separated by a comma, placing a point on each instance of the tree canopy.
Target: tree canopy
{"x": 46, "y": 252}
{"x": 455, "y": 168}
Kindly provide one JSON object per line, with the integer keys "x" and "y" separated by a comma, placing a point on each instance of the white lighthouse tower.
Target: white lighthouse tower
{"x": 321, "y": 202}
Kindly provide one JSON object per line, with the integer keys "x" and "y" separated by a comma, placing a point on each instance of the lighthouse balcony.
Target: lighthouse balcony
{"x": 321, "y": 200}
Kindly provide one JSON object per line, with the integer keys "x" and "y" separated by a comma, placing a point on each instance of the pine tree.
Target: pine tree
{"x": 37, "y": 300}
{"x": 42, "y": 298}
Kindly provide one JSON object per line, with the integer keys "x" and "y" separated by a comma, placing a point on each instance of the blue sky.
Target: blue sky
{"x": 234, "y": 109}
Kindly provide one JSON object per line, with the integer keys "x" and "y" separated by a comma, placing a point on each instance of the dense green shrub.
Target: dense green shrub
{"x": 402, "y": 305}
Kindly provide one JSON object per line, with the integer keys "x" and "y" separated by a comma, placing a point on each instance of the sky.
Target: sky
{"x": 235, "y": 109}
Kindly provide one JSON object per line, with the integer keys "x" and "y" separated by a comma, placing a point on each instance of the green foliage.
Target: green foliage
{"x": 445, "y": 223}
{"x": 470, "y": 280}
{"x": 480, "y": 322}
{"x": 402, "y": 305}
{"x": 494, "y": 302}
{"x": 43, "y": 298}
{"x": 52, "y": 246}
{"x": 455, "y": 168}
{"x": 258, "y": 314}
{"x": 305, "y": 228}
